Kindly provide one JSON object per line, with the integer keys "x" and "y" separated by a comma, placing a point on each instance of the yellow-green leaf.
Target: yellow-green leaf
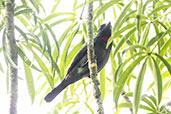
{"x": 138, "y": 87}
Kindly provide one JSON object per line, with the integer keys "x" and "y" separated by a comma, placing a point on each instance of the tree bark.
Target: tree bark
{"x": 92, "y": 61}
{"x": 13, "y": 79}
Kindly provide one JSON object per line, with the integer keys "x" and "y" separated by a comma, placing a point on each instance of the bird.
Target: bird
{"x": 79, "y": 66}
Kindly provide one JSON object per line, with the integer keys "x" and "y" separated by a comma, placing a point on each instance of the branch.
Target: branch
{"x": 128, "y": 100}
{"x": 13, "y": 79}
{"x": 92, "y": 61}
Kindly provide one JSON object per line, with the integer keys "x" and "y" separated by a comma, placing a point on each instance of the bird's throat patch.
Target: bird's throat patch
{"x": 105, "y": 38}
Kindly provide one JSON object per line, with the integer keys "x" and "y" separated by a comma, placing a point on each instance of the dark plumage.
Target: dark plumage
{"x": 79, "y": 66}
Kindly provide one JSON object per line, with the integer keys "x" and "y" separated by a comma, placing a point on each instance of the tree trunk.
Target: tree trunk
{"x": 92, "y": 61}
{"x": 13, "y": 79}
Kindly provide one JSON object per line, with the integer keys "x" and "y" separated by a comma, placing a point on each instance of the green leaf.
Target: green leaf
{"x": 166, "y": 85}
{"x": 35, "y": 3}
{"x": 7, "y": 78}
{"x": 29, "y": 81}
{"x": 122, "y": 15}
{"x": 102, "y": 83}
{"x": 125, "y": 105}
{"x": 155, "y": 10}
{"x": 158, "y": 37}
{"x": 75, "y": 4}
{"x": 123, "y": 77}
{"x": 24, "y": 11}
{"x": 139, "y": 11}
{"x": 44, "y": 69}
{"x": 41, "y": 88}
{"x": 72, "y": 90}
{"x": 54, "y": 37}
{"x": 153, "y": 99}
{"x": 138, "y": 87}
{"x": 55, "y": 6}
{"x": 126, "y": 19}
{"x": 24, "y": 2}
{"x": 56, "y": 15}
{"x": 54, "y": 65}
{"x": 46, "y": 42}
{"x": 129, "y": 105}
{"x": 147, "y": 101}
{"x": 154, "y": 39}
{"x": 125, "y": 28}
{"x": 62, "y": 20}
{"x": 103, "y": 8}
{"x": 1, "y": 68}
{"x": 122, "y": 41}
{"x": 74, "y": 51}
{"x": 25, "y": 59}
{"x": 85, "y": 29}
{"x": 23, "y": 20}
{"x": 165, "y": 62}
{"x": 36, "y": 41}
{"x": 145, "y": 34}
{"x": 91, "y": 110}
{"x": 5, "y": 51}
{"x": 121, "y": 66}
{"x": 165, "y": 47}
{"x": 158, "y": 80}
{"x": 22, "y": 33}
{"x": 65, "y": 33}
{"x": 65, "y": 51}
{"x": 134, "y": 47}
{"x": 145, "y": 108}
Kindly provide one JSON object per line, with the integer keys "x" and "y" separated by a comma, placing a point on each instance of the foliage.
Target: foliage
{"x": 141, "y": 41}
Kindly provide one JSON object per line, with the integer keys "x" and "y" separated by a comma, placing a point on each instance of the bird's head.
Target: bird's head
{"x": 104, "y": 31}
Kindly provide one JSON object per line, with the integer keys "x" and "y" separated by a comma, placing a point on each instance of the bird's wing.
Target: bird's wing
{"x": 79, "y": 57}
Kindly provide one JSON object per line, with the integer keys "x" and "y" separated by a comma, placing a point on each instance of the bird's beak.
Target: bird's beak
{"x": 109, "y": 25}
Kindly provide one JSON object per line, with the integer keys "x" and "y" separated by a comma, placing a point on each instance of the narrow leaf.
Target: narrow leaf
{"x": 65, "y": 51}
{"x": 24, "y": 11}
{"x": 44, "y": 69}
{"x": 138, "y": 87}
{"x": 145, "y": 34}
{"x": 123, "y": 39}
{"x": 165, "y": 62}
{"x": 65, "y": 33}
{"x": 158, "y": 37}
{"x": 54, "y": 37}
{"x": 102, "y": 83}
{"x": 122, "y": 65}
{"x": 148, "y": 102}
{"x": 91, "y": 110}
{"x": 74, "y": 51}
{"x": 29, "y": 81}
{"x": 103, "y": 8}
{"x": 134, "y": 47}
{"x": 25, "y": 59}
{"x": 123, "y": 77}
{"x": 55, "y": 6}
{"x": 5, "y": 51}
{"x": 158, "y": 80}
{"x": 158, "y": 9}
{"x": 122, "y": 15}
{"x": 1, "y": 68}
{"x": 56, "y": 15}
{"x": 165, "y": 47}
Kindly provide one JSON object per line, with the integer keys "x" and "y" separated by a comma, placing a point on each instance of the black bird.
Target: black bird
{"x": 79, "y": 66}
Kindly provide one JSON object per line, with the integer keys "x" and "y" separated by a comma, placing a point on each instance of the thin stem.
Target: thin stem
{"x": 92, "y": 62}
{"x": 83, "y": 9}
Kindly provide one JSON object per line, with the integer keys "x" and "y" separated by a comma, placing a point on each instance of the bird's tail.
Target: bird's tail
{"x": 55, "y": 91}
